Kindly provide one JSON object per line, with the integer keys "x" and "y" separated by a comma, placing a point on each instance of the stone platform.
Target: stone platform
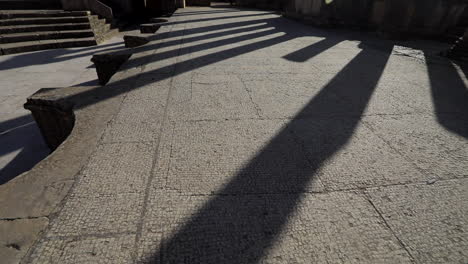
{"x": 239, "y": 136}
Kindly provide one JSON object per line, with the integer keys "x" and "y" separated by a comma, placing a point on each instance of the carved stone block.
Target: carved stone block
{"x": 108, "y": 63}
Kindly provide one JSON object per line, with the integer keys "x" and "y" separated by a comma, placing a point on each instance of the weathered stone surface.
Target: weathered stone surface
{"x": 248, "y": 138}
{"x": 422, "y": 141}
{"x": 37, "y": 194}
{"x": 107, "y": 64}
{"x": 430, "y": 220}
{"x": 17, "y": 236}
{"x": 241, "y": 228}
{"x": 53, "y": 112}
{"x": 116, "y": 249}
{"x": 149, "y": 28}
{"x": 132, "y": 41}
{"x": 158, "y": 20}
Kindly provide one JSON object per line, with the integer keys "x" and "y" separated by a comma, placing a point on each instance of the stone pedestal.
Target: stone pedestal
{"x": 132, "y": 41}
{"x": 107, "y": 64}
{"x": 53, "y": 114}
{"x": 149, "y": 28}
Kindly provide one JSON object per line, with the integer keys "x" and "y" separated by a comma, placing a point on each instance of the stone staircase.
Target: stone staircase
{"x": 32, "y": 30}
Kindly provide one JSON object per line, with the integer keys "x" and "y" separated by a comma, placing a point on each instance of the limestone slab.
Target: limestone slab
{"x": 98, "y": 214}
{"x": 212, "y": 101}
{"x": 17, "y": 236}
{"x": 230, "y": 157}
{"x": 346, "y": 154}
{"x": 422, "y": 140}
{"x": 110, "y": 172}
{"x": 278, "y": 228}
{"x": 116, "y": 249}
{"x": 430, "y": 219}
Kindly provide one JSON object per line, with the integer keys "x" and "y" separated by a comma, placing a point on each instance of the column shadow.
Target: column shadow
{"x": 450, "y": 96}
{"x": 310, "y": 51}
{"x": 242, "y": 222}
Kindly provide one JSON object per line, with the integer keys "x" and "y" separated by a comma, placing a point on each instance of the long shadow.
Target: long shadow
{"x": 15, "y": 122}
{"x": 213, "y": 44}
{"x": 217, "y": 18}
{"x": 20, "y": 134}
{"x": 32, "y": 152}
{"x": 239, "y": 228}
{"x": 121, "y": 86}
{"x": 450, "y": 97}
{"x": 242, "y": 223}
{"x": 28, "y": 141}
{"x": 205, "y": 29}
{"x": 51, "y": 56}
{"x": 159, "y": 74}
{"x": 204, "y": 12}
{"x": 310, "y": 51}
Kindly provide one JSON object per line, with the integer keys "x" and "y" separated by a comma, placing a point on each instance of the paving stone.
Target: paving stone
{"x": 229, "y": 226}
{"x": 289, "y": 228}
{"x": 265, "y": 134}
{"x": 208, "y": 101}
{"x": 248, "y": 156}
{"x": 116, "y": 249}
{"x": 422, "y": 140}
{"x": 17, "y": 236}
{"x": 98, "y": 214}
{"x": 107, "y": 173}
{"x": 288, "y": 97}
{"x": 140, "y": 116}
{"x": 430, "y": 220}
{"x": 329, "y": 228}
{"x": 348, "y": 155}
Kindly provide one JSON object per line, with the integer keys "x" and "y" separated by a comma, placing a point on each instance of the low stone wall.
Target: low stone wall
{"x": 394, "y": 18}
{"x": 53, "y": 114}
{"x": 73, "y": 119}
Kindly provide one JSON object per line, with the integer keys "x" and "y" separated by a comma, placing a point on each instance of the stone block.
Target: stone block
{"x": 158, "y": 20}
{"x": 149, "y": 28}
{"x": 107, "y": 64}
{"x": 52, "y": 109}
{"x": 53, "y": 115}
{"x": 132, "y": 41}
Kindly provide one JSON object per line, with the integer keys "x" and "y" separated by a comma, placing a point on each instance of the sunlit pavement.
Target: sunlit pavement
{"x": 250, "y": 138}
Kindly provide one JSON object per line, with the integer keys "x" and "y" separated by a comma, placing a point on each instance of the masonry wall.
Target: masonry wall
{"x": 396, "y": 18}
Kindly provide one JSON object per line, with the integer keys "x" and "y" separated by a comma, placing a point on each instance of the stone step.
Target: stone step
{"x": 43, "y": 20}
{"x": 40, "y": 13}
{"x": 37, "y": 28}
{"x": 28, "y": 46}
{"x": 32, "y": 36}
